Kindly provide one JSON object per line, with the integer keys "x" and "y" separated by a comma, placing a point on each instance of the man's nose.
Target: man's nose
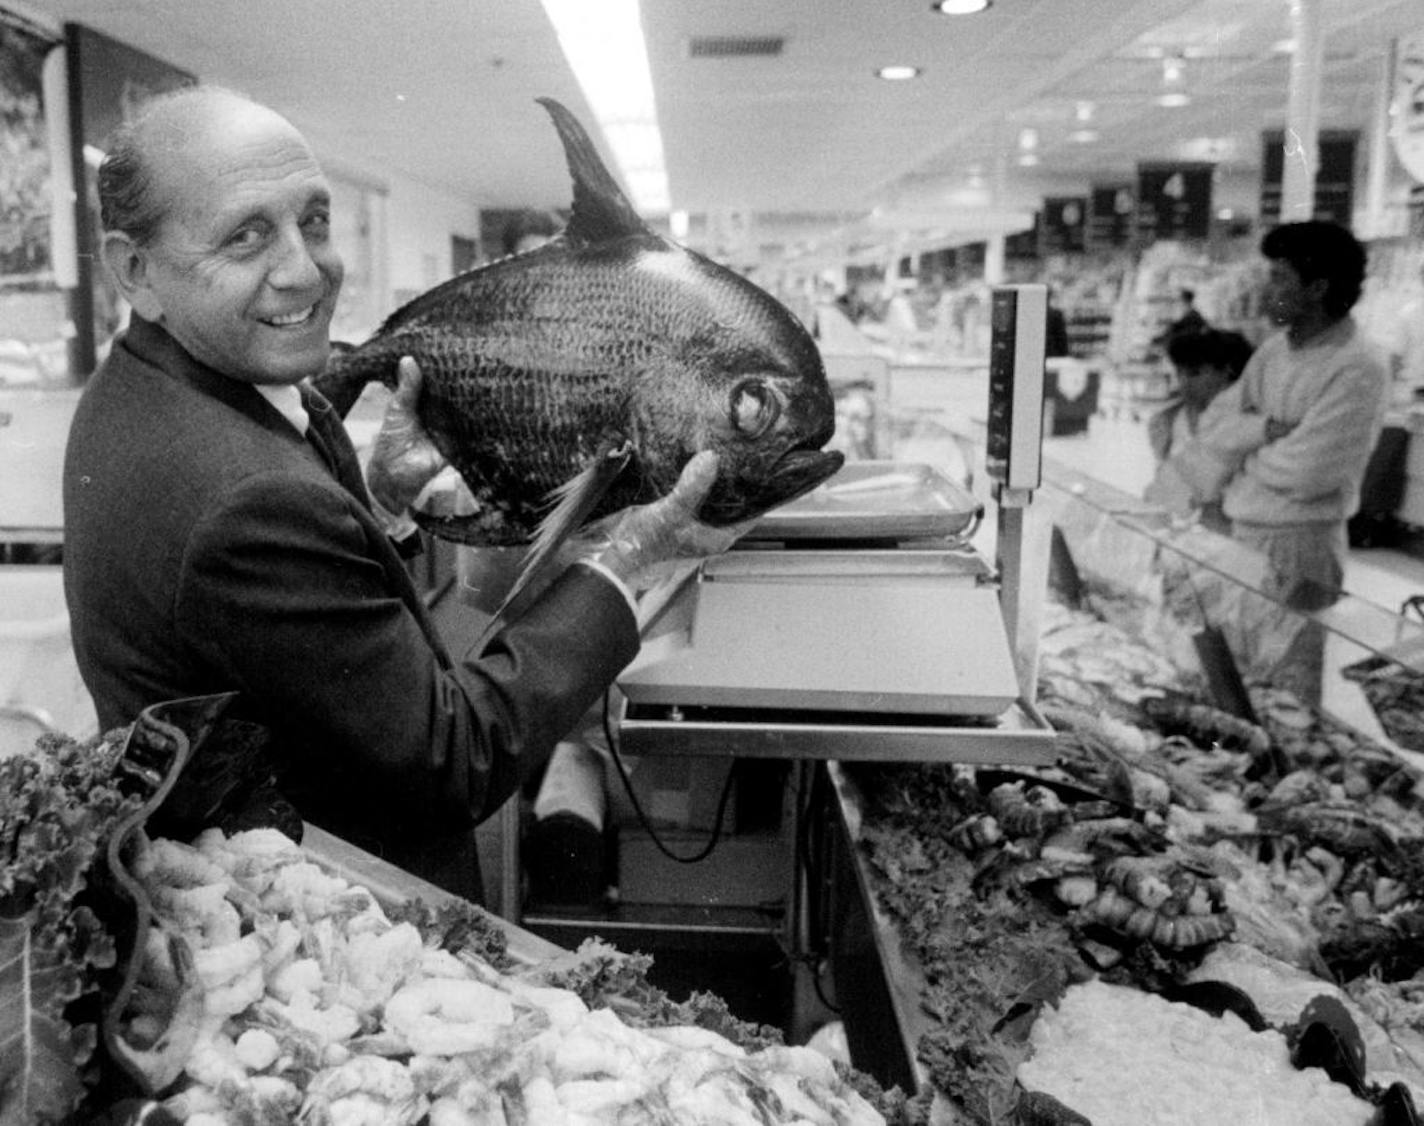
{"x": 295, "y": 265}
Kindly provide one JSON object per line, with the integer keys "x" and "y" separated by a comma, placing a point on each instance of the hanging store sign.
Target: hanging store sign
{"x": 1407, "y": 131}
{"x": 1112, "y": 209}
{"x": 1065, "y": 221}
{"x": 1334, "y": 197}
{"x": 1022, "y": 246}
{"x": 1173, "y": 200}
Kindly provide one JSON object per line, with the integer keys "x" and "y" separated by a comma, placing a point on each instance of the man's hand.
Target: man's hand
{"x": 404, "y": 459}
{"x": 668, "y": 529}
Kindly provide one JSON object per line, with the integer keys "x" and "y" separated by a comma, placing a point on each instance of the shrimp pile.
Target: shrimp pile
{"x": 319, "y": 1010}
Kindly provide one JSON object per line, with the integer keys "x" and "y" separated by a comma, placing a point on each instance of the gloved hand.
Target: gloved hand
{"x": 641, "y": 538}
{"x": 404, "y": 459}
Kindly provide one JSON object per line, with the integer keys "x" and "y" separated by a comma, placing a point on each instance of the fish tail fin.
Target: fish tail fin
{"x": 576, "y": 499}
{"x": 601, "y": 211}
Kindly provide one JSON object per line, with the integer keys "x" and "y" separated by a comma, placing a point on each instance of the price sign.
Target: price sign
{"x": 1064, "y": 224}
{"x": 1173, "y": 201}
{"x": 1111, "y": 213}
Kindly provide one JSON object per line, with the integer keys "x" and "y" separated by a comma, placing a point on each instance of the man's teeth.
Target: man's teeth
{"x": 292, "y": 318}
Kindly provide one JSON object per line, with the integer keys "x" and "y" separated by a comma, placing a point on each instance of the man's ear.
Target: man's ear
{"x": 128, "y": 266}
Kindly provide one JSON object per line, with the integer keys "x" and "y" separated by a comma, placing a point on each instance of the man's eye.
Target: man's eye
{"x": 317, "y": 225}
{"x": 248, "y": 238}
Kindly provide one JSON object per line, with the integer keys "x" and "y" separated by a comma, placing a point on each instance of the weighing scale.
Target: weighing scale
{"x": 857, "y": 622}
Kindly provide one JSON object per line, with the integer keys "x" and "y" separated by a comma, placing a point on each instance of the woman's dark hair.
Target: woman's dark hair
{"x": 1213, "y": 348}
{"x": 1320, "y": 249}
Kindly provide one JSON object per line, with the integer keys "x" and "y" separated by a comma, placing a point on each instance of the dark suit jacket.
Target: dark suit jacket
{"x": 210, "y": 547}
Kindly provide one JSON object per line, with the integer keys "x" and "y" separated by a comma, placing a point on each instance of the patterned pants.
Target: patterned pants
{"x": 1306, "y": 566}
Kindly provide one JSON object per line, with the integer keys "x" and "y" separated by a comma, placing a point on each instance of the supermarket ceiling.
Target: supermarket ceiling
{"x": 804, "y": 140}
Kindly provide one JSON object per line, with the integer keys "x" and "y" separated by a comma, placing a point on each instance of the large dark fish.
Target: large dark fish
{"x": 593, "y": 367}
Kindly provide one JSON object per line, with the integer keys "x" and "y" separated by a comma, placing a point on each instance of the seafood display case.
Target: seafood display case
{"x": 1228, "y": 834}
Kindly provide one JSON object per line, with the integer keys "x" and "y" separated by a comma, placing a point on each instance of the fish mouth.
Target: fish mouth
{"x": 795, "y": 473}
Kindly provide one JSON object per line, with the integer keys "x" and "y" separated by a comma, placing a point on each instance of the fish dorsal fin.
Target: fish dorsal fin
{"x": 576, "y": 499}
{"x": 601, "y": 211}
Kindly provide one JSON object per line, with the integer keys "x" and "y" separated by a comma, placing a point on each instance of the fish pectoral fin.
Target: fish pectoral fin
{"x": 575, "y": 500}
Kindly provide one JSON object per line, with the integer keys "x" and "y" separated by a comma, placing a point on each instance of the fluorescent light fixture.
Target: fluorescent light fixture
{"x": 898, "y": 73}
{"x": 1028, "y": 159}
{"x": 1083, "y": 112}
{"x": 960, "y": 7}
{"x": 1028, "y": 139}
{"x": 1083, "y": 136}
{"x": 603, "y": 43}
{"x": 1173, "y": 100}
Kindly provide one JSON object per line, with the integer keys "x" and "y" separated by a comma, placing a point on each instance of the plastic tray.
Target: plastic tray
{"x": 875, "y": 500}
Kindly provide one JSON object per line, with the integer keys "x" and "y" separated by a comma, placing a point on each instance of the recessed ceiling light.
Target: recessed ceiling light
{"x": 1173, "y": 101}
{"x": 1028, "y": 159}
{"x": 897, "y": 73}
{"x": 1083, "y": 136}
{"x": 960, "y": 7}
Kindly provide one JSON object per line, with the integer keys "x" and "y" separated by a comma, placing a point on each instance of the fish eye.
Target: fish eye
{"x": 753, "y": 407}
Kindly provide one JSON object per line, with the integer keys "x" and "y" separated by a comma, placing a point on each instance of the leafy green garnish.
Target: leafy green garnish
{"x": 57, "y": 807}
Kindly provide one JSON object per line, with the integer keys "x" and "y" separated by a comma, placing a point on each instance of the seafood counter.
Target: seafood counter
{"x": 1189, "y": 917}
{"x": 237, "y": 977}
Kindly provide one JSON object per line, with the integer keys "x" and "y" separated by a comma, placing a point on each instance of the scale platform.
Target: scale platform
{"x": 898, "y": 654}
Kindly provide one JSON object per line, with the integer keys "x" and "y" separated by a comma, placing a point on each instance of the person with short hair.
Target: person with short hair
{"x": 1187, "y": 321}
{"x": 1206, "y": 364}
{"x": 219, "y": 534}
{"x": 1284, "y": 448}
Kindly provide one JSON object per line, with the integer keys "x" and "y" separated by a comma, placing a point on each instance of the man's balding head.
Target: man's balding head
{"x": 163, "y": 143}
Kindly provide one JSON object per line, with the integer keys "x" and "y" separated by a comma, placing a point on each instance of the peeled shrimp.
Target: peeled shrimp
{"x": 176, "y": 865}
{"x": 445, "y": 1016}
{"x": 201, "y": 910}
{"x": 219, "y": 965}
{"x": 449, "y": 1112}
{"x": 377, "y": 963}
{"x": 365, "y": 1089}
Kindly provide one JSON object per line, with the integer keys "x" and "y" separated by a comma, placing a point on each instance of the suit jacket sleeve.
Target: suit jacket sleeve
{"x": 284, "y": 590}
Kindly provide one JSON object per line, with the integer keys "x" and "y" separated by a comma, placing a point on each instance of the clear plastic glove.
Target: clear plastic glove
{"x": 404, "y": 459}
{"x": 445, "y": 496}
{"x": 640, "y": 539}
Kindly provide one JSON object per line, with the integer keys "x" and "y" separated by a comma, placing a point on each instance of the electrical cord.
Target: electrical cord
{"x": 814, "y": 959}
{"x": 643, "y": 821}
